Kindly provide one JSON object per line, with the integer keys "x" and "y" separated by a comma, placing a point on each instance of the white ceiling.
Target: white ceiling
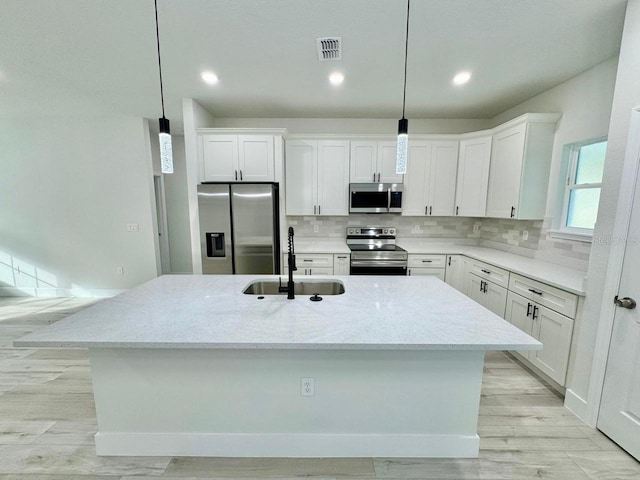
{"x": 98, "y": 56}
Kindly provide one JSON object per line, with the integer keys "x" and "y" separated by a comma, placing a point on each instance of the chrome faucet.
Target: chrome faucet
{"x": 291, "y": 259}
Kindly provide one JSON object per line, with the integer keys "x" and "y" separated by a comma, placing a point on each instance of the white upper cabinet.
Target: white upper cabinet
{"x": 473, "y": 177}
{"x": 237, "y": 158}
{"x": 301, "y": 164}
{"x": 317, "y": 177}
{"x": 520, "y": 164}
{"x": 430, "y": 184}
{"x": 333, "y": 177}
{"x": 373, "y": 161}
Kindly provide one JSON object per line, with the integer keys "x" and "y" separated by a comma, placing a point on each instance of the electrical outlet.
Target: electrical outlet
{"x": 476, "y": 228}
{"x": 316, "y": 228}
{"x": 120, "y": 270}
{"x": 416, "y": 228}
{"x": 525, "y": 235}
{"x": 133, "y": 227}
{"x": 307, "y": 387}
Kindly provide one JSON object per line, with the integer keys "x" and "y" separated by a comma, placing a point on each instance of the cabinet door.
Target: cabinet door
{"x": 333, "y": 177}
{"x": 473, "y": 177}
{"x": 341, "y": 264}
{"x": 496, "y": 298}
{"x": 475, "y": 289}
{"x": 442, "y": 178}
{"x": 301, "y": 177}
{"x": 554, "y": 331}
{"x": 387, "y": 154}
{"x": 255, "y": 158}
{"x": 518, "y": 313}
{"x": 453, "y": 273}
{"x": 364, "y": 161}
{"x": 417, "y": 184}
{"x": 427, "y": 272}
{"x": 507, "y": 154}
{"x": 220, "y": 158}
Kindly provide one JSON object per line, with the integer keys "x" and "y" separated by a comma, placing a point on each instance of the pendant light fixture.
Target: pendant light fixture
{"x": 166, "y": 153}
{"x": 403, "y": 124}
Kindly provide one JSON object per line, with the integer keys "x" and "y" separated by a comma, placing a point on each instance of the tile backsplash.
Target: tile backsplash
{"x": 503, "y": 234}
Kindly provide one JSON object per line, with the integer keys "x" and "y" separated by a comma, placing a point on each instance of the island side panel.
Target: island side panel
{"x": 248, "y": 403}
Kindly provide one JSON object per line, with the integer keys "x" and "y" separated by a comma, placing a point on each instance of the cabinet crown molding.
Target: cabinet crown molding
{"x": 241, "y": 131}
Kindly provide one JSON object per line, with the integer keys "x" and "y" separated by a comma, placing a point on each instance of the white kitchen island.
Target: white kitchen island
{"x": 190, "y": 366}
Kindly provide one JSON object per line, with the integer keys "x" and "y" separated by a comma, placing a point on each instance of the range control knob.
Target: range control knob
{"x": 392, "y": 231}
{"x": 351, "y": 231}
{"x": 385, "y": 231}
{"x": 357, "y": 231}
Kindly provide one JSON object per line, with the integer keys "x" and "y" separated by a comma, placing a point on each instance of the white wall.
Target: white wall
{"x": 68, "y": 189}
{"x": 626, "y": 97}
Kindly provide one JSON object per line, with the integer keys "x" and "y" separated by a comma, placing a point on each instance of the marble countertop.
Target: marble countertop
{"x": 209, "y": 311}
{"x": 558, "y": 276}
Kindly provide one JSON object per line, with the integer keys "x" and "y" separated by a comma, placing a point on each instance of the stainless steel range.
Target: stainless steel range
{"x": 374, "y": 251}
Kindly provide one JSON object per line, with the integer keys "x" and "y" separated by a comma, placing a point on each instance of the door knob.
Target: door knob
{"x": 625, "y": 302}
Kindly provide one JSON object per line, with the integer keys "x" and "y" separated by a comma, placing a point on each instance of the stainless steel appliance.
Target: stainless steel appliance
{"x": 375, "y": 197}
{"x": 239, "y": 230}
{"x": 374, "y": 251}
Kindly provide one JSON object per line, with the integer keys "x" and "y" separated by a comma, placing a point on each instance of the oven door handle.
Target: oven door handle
{"x": 378, "y": 263}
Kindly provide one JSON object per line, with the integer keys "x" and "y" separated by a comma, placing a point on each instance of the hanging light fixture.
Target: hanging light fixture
{"x": 166, "y": 153}
{"x": 403, "y": 124}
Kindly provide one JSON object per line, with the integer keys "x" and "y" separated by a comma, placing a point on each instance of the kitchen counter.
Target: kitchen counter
{"x": 187, "y": 365}
{"x": 196, "y": 311}
{"x": 558, "y": 276}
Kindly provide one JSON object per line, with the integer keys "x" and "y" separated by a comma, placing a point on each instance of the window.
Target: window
{"x": 582, "y": 191}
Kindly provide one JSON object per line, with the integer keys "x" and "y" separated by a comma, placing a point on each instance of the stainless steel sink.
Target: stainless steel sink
{"x": 302, "y": 287}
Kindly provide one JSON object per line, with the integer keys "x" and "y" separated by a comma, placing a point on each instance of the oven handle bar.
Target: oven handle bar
{"x": 378, "y": 263}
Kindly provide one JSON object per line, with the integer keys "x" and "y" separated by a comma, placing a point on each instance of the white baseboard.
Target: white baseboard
{"x": 59, "y": 292}
{"x": 576, "y": 404}
{"x": 287, "y": 445}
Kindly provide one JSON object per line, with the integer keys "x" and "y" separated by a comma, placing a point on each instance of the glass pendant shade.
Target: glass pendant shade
{"x": 166, "y": 152}
{"x": 403, "y": 145}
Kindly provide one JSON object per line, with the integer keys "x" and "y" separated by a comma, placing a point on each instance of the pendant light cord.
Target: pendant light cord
{"x": 155, "y": 2}
{"x": 406, "y": 51}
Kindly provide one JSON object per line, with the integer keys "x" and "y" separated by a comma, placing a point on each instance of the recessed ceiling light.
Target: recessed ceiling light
{"x": 209, "y": 77}
{"x": 461, "y": 78}
{"x": 336, "y": 78}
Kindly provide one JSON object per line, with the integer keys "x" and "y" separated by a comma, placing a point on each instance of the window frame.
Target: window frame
{"x": 563, "y": 230}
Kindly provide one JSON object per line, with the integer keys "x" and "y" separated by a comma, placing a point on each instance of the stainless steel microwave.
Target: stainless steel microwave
{"x": 375, "y": 197}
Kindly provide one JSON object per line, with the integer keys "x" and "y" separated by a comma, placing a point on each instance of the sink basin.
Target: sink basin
{"x": 302, "y": 287}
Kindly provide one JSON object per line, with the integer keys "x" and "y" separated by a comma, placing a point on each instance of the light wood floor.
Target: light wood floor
{"x": 47, "y": 422}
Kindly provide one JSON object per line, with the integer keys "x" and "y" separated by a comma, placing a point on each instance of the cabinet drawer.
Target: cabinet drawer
{"x": 489, "y": 272}
{"x": 433, "y": 272}
{"x": 308, "y": 260}
{"x": 427, "y": 261}
{"x": 551, "y": 297}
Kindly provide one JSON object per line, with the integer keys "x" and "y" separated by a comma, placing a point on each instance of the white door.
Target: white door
{"x": 442, "y": 186}
{"x": 416, "y": 187}
{"x": 518, "y": 313}
{"x": 364, "y": 161}
{"x": 554, "y": 331}
{"x": 475, "y": 289}
{"x": 453, "y": 273}
{"x": 301, "y": 177}
{"x": 255, "y": 158}
{"x": 333, "y": 177}
{"x": 496, "y": 298}
{"x": 387, "y": 154}
{"x": 507, "y": 155}
{"x": 619, "y": 415}
{"x": 341, "y": 264}
{"x": 220, "y": 158}
{"x": 473, "y": 177}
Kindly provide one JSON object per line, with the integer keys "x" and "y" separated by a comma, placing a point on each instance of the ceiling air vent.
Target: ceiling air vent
{"x": 329, "y": 48}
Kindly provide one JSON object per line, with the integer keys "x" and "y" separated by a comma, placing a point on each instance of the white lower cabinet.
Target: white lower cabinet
{"x": 487, "y": 294}
{"x": 454, "y": 272}
{"x": 341, "y": 264}
{"x": 432, "y": 272}
{"x": 551, "y": 328}
{"x": 313, "y": 271}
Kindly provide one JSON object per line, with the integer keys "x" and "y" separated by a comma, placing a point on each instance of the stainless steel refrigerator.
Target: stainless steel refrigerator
{"x": 239, "y": 229}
